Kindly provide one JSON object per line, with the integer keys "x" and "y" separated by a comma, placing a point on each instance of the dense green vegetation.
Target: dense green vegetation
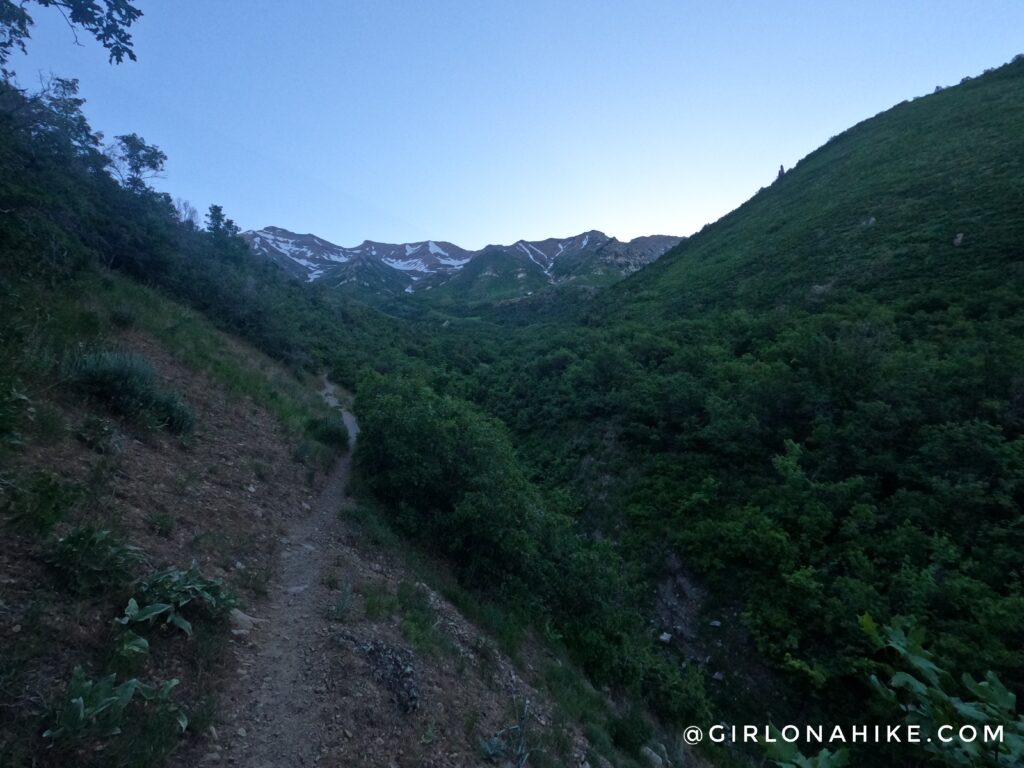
{"x": 815, "y": 405}
{"x": 816, "y": 401}
{"x": 451, "y": 480}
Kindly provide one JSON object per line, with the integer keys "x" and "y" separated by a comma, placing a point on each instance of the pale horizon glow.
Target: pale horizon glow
{"x": 485, "y": 123}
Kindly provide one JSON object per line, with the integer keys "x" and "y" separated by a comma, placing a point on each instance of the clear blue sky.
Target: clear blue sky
{"x": 481, "y": 121}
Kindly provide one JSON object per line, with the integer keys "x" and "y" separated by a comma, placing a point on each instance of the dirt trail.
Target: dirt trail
{"x": 276, "y": 721}
{"x": 360, "y": 689}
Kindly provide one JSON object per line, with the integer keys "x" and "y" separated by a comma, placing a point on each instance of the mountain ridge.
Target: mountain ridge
{"x": 590, "y": 257}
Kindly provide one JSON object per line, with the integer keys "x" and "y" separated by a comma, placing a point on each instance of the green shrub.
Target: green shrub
{"x": 167, "y": 594}
{"x": 313, "y": 454}
{"x": 630, "y": 731}
{"x": 90, "y": 560}
{"x": 128, "y": 385}
{"x": 37, "y": 504}
{"x": 329, "y": 430}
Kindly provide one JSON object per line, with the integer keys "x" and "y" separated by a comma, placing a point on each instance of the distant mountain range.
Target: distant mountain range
{"x": 493, "y": 272}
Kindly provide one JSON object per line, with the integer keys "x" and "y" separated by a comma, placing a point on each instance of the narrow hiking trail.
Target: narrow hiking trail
{"x": 313, "y": 686}
{"x": 278, "y": 718}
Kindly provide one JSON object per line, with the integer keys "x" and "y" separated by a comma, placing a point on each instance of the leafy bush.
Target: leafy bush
{"x": 167, "y": 594}
{"x": 95, "y": 709}
{"x": 630, "y": 731}
{"x": 90, "y": 560}
{"x": 36, "y": 505}
{"x": 329, "y": 430}
{"x": 128, "y": 384}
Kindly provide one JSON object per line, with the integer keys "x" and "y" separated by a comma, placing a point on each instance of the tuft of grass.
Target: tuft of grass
{"x": 128, "y": 385}
{"x": 341, "y": 608}
{"x": 256, "y": 580}
{"x": 419, "y": 619}
{"x": 379, "y": 601}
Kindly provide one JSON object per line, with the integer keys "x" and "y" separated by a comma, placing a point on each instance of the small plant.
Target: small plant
{"x": 342, "y": 606}
{"x": 510, "y": 746}
{"x": 166, "y": 594}
{"x": 128, "y": 384}
{"x": 89, "y": 560}
{"x": 95, "y": 709}
{"x": 100, "y": 435}
{"x": 129, "y": 650}
{"x": 379, "y": 602}
{"x": 419, "y": 620}
{"x": 430, "y": 733}
{"x": 256, "y": 580}
{"x": 38, "y": 504}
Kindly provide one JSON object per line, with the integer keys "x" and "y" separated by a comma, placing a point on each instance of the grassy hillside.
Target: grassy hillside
{"x": 926, "y": 196}
{"x": 138, "y": 444}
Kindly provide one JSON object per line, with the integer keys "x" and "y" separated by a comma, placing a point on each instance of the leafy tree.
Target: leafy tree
{"x": 106, "y": 20}
{"x": 135, "y": 162}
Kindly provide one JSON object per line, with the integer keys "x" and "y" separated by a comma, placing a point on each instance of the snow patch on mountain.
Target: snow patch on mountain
{"x": 430, "y": 263}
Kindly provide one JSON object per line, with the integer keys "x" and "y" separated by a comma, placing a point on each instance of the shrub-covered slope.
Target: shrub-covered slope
{"x": 814, "y": 407}
{"x": 926, "y": 196}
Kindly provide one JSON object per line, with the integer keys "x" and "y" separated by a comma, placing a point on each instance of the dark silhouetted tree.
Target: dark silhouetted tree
{"x": 107, "y": 20}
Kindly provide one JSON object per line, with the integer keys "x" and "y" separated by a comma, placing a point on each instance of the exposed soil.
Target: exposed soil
{"x": 321, "y": 686}
{"x": 218, "y": 500}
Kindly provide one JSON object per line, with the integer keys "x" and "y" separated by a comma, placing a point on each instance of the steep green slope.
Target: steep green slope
{"x": 814, "y": 409}
{"x": 924, "y": 196}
